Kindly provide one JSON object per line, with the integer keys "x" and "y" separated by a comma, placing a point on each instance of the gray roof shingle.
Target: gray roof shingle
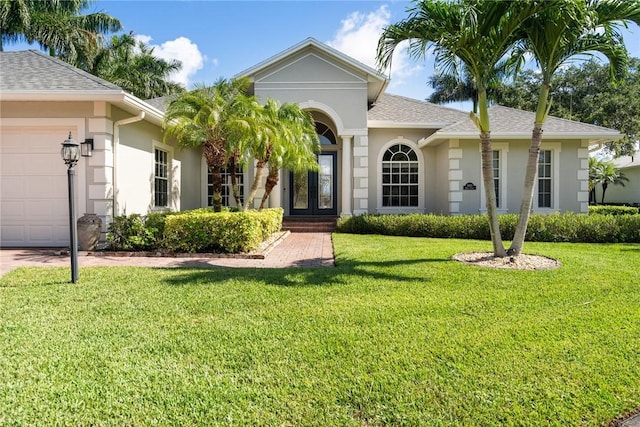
{"x": 512, "y": 121}
{"x": 399, "y": 109}
{"x": 161, "y": 103}
{"x": 627, "y": 161}
{"x": 31, "y": 71}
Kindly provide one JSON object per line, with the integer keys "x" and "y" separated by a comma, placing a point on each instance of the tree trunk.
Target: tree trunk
{"x": 272, "y": 181}
{"x": 260, "y": 164}
{"x": 530, "y": 177}
{"x": 212, "y": 155}
{"x": 531, "y": 173}
{"x": 604, "y": 190}
{"x": 235, "y": 189}
{"x": 490, "y": 193}
{"x": 216, "y": 199}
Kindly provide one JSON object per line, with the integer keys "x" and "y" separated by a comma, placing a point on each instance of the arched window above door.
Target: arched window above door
{"x": 326, "y": 135}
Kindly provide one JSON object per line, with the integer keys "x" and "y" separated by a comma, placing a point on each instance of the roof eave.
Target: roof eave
{"x": 61, "y": 95}
{"x": 120, "y": 98}
{"x": 595, "y": 138}
{"x": 387, "y": 124}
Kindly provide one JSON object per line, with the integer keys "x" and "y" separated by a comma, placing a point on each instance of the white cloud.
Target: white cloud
{"x": 358, "y": 37}
{"x": 181, "y": 49}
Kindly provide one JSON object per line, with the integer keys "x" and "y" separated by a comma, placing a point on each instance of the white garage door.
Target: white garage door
{"x": 33, "y": 187}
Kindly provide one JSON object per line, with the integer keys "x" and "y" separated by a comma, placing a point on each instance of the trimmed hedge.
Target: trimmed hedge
{"x": 270, "y": 220}
{"x": 565, "y": 227}
{"x": 613, "y": 210}
{"x": 212, "y": 232}
{"x": 199, "y": 230}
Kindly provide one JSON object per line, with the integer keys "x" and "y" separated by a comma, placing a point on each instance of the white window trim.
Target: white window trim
{"x": 503, "y": 148}
{"x": 400, "y": 209}
{"x": 555, "y": 148}
{"x": 204, "y": 170}
{"x": 169, "y": 150}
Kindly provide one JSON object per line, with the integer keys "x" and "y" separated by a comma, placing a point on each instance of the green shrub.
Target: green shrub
{"x": 129, "y": 233}
{"x": 565, "y": 227}
{"x": 270, "y": 220}
{"x": 206, "y": 231}
{"x": 613, "y": 210}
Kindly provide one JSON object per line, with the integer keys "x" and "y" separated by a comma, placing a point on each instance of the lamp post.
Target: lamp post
{"x": 70, "y": 153}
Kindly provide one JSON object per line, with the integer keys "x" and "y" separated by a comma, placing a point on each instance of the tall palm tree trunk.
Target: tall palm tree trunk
{"x": 487, "y": 172}
{"x": 272, "y": 181}
{"x": 211, "y": 153}
{"x": 260, "y": 165}
{"x": 490, "y": 194}
{"x": 531, "y": 173}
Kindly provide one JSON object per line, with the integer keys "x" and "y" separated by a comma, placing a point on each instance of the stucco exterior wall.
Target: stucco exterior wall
{"x": 14, "y": 109}
{"x": 135, "y": 169}
{"x": 311, "y": 76}
{"x": 379, "y": 140}
{"x": 569, "y": 172}
{"x": 628, "y": 194}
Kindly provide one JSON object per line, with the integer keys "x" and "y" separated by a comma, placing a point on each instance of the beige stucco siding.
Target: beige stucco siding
{"x": 566, "y": 178}
{"x": 628, "y": 194}
{"x": 471, "y": 165}
{"x": 15, "y": 109}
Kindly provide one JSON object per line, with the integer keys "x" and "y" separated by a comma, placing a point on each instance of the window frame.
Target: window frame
{"x": 555, "y": 149}
{"x": 503, "y": 149}
{"x": 205, "y": 197}
{"x": 168, "y": 179}
{"x": 420, "y": 174}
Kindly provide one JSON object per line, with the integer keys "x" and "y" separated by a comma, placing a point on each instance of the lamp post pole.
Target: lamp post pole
{"x": 70, "y": 153}
{"x": 73, "y": 227}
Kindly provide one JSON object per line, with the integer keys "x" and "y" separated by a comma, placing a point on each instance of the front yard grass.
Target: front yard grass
{"x": 396, "y": 334}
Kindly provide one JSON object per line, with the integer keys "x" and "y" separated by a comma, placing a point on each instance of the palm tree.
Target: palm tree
{"x": 610, "y": 174}
{"x": 56, "y": 26}
{"x": 294, "y": 143}
{"x": 555, "y": 35}
{"x": 595, "y": 177}
{"x": 133, "y": 66}
{"x": 221, "y": 119}
{"x": 474, "y": 33}
{"x": 453, "y": 88}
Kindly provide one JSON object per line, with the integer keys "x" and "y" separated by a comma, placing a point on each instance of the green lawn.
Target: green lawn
{"x": 397, "y": 334}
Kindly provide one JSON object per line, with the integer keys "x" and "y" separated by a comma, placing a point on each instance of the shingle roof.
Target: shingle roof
{"x": 30, "y": 71}
{"x": 399, "y": 109}
{"x": 627, "y": 161}
{"x": 512, "y": 121}
{"x": 160, "y": 103}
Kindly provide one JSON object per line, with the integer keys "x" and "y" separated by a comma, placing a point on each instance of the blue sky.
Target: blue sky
{"x": 221, "y": 38}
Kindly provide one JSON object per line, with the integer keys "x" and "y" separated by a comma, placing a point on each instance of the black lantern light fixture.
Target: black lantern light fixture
{"x": 71, "y": 152}
{"x": 86, "y": 148}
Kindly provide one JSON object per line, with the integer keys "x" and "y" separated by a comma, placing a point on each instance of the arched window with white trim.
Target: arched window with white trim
{"x": 400, "y": 177}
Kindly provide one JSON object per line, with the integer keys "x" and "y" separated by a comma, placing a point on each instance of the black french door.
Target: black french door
{"x": 315, "y": 193}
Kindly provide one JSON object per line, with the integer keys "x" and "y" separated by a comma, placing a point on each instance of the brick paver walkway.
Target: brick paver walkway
{"x": 297, "y": 250}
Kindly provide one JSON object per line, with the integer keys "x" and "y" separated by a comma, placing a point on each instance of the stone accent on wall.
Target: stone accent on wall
{"x": 455, "y": 176}
{"x": 583, "y": 177}
{"x": 100, "y": 170}
{"x": 360, "y": 174}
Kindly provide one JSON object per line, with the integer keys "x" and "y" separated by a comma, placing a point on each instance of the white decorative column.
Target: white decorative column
{"x": 275, "y": 198}
{"x": 346, "y": 175}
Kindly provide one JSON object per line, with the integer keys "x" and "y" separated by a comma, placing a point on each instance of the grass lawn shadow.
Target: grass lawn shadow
{"x": 200, "y": 272}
